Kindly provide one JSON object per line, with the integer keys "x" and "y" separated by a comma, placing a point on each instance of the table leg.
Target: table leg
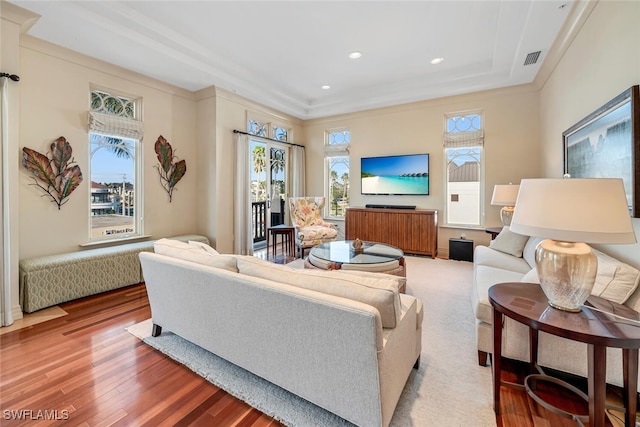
{"x": 630, "y": 374}
{"x": 284, "y": 244}
{"x": 275, "y": 244}
{"x": 268, "y": 233}
{"x": 496, "y": 359}
{"x": 597, "y": 384}
{"x": 533, "y": 351}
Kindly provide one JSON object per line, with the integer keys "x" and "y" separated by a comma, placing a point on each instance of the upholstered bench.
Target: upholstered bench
{"x": 53, "y": 279}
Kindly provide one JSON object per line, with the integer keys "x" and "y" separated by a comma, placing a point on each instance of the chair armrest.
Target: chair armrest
{"x": 328, "y": 224}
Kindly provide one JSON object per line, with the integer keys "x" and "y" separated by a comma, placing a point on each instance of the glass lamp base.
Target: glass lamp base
{"x": 506, "y": 213}
{"x": 567, "y": 273}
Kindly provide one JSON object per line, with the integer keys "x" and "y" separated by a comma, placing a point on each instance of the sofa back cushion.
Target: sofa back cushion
{"x": 195, "y": 252}
{"x": 377, "y": 290}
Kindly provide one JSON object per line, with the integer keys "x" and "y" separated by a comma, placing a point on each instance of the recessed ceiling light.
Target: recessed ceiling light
{"x": 355, "y": 55}
{"x": 435, "y": 61}
{"x": 325, "y": 87}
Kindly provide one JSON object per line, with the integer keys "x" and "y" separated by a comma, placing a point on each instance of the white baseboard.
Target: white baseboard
{"x": 16, "y": 312}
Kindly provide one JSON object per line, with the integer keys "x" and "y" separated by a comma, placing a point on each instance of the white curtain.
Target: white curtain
{"x": 297, "y": 171}
{"x": 6, "y": 317}
{"x": 243, "y": 234}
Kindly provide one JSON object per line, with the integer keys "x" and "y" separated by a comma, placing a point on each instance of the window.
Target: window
{"x": 268, "y": 130}
{"x": 337, "y": 182}
{"x": 115, "y": 133}
{"x": 463, "y": 142}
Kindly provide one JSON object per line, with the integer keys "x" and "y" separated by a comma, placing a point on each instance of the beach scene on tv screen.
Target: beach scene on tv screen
{"x": 395, "y": 174}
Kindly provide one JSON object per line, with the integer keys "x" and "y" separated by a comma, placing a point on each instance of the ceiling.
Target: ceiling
{"x": 280, "y": 53}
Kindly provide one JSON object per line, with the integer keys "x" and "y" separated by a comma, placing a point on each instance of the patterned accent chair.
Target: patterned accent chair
{"x": 307, "y": 220}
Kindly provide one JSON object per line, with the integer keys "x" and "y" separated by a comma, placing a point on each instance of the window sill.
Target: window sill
{"x": 112, "y": 241}
{"x": 334, "y": 218}
{"x": 464, "y": 227}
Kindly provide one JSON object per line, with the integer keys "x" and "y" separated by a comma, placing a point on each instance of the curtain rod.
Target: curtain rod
{"x": 11, "y": 76}
{"x": 264, "y": 137}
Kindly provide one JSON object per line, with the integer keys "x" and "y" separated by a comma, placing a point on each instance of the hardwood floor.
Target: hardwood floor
{"x": 85, "y": 369}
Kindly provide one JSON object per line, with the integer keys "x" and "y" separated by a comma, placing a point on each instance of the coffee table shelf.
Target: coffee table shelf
{"x": 374, "y": 257}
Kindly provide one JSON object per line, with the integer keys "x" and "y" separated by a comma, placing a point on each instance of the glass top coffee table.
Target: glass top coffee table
{"x": 374, "y": 257}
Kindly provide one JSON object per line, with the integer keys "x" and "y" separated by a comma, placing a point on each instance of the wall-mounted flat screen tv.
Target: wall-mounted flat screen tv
{"x": 395, "y": 175}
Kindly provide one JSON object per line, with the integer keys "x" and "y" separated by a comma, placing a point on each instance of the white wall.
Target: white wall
{"x": 602, "y": 61}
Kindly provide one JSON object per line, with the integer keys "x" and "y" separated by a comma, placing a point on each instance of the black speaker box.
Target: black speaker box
{"x": 461, "y": 250}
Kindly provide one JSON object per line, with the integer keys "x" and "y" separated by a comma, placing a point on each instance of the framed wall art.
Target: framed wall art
{"x": 606, "y": 144}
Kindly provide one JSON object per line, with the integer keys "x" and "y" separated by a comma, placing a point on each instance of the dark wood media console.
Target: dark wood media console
{"x": 415, "y": 231}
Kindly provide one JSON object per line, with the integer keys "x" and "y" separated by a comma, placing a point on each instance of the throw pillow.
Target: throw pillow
{"x": 615, "y": 281}
{"x": 379, "y": 292}
{"x": 509, "y": 242}
{"x": 204, "y": 246}
{"x": 194, "y": 253}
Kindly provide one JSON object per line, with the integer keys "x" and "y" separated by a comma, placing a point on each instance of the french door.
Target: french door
{"x": 269, "y": 185}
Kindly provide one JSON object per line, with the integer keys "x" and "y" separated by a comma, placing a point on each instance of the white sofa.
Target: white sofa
{"x": 511, "y": 258}
{"x": 345, "y": 341}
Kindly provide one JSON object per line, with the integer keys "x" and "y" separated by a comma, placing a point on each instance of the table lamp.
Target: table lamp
{"x": 568, "y": 212}
{"x": 505, "y": 196}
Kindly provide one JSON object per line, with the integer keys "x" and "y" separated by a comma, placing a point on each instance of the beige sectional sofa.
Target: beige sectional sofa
{"x": 511, "y": 258}
{"x": 345, "y": 341}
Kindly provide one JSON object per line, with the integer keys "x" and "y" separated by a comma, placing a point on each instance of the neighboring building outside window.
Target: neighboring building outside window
{"x": 337, "y": 172}
{"x": 115, "y": 134}
{"x": 464, "y": 180}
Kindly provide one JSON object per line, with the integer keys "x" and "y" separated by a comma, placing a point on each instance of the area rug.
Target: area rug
{"x": 450, "y": 388}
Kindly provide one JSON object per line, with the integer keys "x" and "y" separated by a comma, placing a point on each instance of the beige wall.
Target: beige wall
{"x": 216, "y": 154}
{"x": 511, "y": 134}
{"x": 54, "y": 96}
{"x": 602, "y": 61}
{"x": 13, "y": 20}
{"x": 523, "y": 134}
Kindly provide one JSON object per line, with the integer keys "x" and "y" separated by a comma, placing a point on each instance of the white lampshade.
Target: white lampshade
{"x": 590, "y": 210}
{"x": 505, "y": 195}
{"x": 569, "y": 213}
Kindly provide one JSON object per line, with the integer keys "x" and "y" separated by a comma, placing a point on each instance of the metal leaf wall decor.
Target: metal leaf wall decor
{"x": 57, "y": 176}
{"x": 170, "y": 172}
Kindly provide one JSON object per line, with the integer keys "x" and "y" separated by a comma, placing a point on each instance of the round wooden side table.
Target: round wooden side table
{"x": 600, "y": 324}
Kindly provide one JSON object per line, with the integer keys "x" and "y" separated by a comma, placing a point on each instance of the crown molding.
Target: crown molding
{"x": 577, "y": 17}
{"x": 73, "y": 57}
{"x": 17, "y": 15}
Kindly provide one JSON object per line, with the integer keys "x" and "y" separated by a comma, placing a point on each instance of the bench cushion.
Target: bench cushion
{"x": 53, "y": 279}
